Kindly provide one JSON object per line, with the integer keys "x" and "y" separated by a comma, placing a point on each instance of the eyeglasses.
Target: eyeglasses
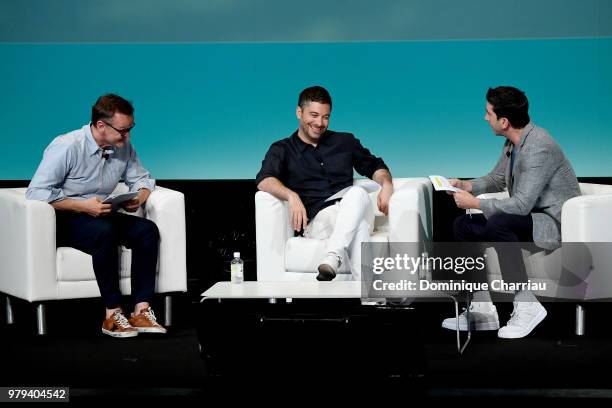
{"x": 122, "y": 132}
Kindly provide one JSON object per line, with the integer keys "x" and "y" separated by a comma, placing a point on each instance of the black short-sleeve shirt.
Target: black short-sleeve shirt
{"x": 316, "y": 173}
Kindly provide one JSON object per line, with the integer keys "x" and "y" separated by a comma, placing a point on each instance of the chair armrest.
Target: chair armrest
{"x": 272, "y": 230}
{"x": 587, "y": 218}
{"x": 410, "y": 212}
{"x": 27, "y": 247}
{"x": 166, "y": 208}
{"x": 410, "y": 218}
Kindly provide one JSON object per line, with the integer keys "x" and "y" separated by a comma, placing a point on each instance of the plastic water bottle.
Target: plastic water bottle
{"x": 237, "y": 269}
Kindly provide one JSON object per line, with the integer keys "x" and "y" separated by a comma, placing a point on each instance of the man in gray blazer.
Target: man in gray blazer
{"x": 539, "y": 179}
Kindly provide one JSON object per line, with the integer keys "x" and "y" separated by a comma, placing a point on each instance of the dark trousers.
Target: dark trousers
{"x": 100, "y": 237}
{"x": 497, "y": 229}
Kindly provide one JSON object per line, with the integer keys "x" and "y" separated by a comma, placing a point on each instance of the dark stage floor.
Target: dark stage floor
{"x": 550, "y": 363}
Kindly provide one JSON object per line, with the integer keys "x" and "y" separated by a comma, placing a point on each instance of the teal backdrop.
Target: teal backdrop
{"x": 210, "y": 111}
{"x": 215, "y": 83}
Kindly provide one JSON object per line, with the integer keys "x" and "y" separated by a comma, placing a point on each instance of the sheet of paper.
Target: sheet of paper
{"x": 441, "y": 183}
{"x": 116, "y": 199}
{"x": 369, "y": 186}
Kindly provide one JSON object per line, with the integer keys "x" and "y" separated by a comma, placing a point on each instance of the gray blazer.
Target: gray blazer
{"x": 542, "y": 180}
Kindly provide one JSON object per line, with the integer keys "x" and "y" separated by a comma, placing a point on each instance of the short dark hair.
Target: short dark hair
{"x": 314, "y": 94}
{"x": 510, "y": 103}
{"x": 107, "y": 105}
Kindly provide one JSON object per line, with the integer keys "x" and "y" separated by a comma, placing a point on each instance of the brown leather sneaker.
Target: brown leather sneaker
{"x": 145, "y": 322}
{"x": 118, "y": 326}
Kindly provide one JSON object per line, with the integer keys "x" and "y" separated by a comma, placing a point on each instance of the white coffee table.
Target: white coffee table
{"x": 280, "y": 290}
{"x": 315, "y": 290}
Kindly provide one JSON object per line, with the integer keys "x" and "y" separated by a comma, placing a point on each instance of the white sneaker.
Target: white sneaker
{"x": 483, "y": 316}
{"x": 525, "y": 317}
{"x": 329, "y": 267}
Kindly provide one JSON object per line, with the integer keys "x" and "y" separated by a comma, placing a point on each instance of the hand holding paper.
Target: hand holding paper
{"x": 441, "y": 183}
{"x": 117, "y": 199}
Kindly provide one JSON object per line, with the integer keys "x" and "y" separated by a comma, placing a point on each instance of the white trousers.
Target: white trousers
{"x": 346, "y": 224}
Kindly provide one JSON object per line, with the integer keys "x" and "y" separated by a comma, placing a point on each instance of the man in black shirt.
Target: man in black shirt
{"x": 315, "y": 163}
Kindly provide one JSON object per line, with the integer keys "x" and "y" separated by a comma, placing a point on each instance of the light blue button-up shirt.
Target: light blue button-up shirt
{"x": 73, "y": 167}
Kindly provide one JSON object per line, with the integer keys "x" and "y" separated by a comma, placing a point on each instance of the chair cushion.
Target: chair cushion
{"x": 73, "y": 265}
{"x": 304, "y": 254}
{"x": 544, "y": 267}
{"x": 125, "y": 262}
{"x": 76, "y": 266}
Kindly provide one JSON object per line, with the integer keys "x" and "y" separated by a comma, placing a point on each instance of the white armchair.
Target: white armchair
{"x": 581, "y": 271}
{"x": 283, "y": 257}
{"x": 34, "y": 269}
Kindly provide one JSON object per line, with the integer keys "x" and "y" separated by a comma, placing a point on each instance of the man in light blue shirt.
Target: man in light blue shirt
{"x": 78, "y": 170}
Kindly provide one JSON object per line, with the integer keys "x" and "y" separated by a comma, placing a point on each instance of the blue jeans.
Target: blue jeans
{"x": 100, "y": 237}
{"x": 499, "y": 228}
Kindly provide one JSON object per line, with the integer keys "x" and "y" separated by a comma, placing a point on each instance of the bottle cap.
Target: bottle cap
{"x": 236, "y": 254}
